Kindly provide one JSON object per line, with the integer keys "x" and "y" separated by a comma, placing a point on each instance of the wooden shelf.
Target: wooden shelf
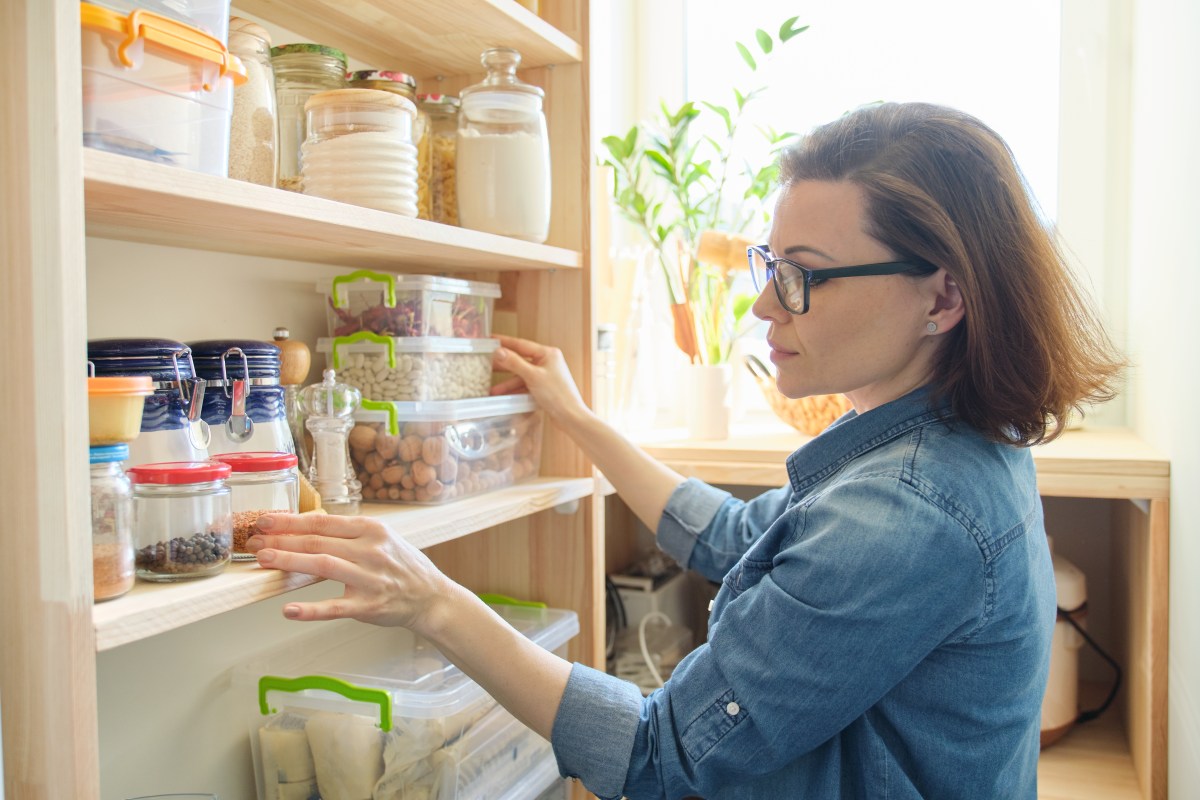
{"x": 152, "y": 608}
{"x": 139, "y": 201}
{"x": 1110, "y": 463}
{"x": 428, "y": 38}
{"x": 1090, "y": 763}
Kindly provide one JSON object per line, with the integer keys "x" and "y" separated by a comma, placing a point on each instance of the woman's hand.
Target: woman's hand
{"x": 543, "y": 372}
{"x": 387, "y": 580}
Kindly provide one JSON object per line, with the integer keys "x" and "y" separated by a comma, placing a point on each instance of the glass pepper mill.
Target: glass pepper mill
{"x": 328, "y": 408}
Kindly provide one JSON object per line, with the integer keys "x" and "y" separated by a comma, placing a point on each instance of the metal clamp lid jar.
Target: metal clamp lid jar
{"x": 244, "y": 406}
{"x": 171, "y": 428}
{"x": 260, "y": 483}
{"x": 503, "y": 156}
{"x": 183, "y": 522}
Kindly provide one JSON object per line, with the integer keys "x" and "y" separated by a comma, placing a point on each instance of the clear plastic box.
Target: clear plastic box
{"x": 210, "y": 16}
{"x": 409, "y": 305}
{"x": 163, "y": 95}
{"x": 437, "y": 452}
{"x": 389, "y": 368}
{"x": 354, "y": 710}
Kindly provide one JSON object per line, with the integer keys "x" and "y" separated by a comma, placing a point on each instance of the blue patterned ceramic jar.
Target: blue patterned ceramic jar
{"x": 244, "y": 405}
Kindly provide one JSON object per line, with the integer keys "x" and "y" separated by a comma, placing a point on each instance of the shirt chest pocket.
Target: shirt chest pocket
{"x": 746, "y": 575}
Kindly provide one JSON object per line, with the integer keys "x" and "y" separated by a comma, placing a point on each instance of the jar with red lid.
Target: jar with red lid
{"x": 259, "y": 483}
{"x": 183, "y": 520}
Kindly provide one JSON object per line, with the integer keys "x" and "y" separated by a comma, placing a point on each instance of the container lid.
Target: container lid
{"x": 471, "y": 408}
{"x": 128, "y": 386}
{"x": 157, "y": 358}
{"x": 406, "y": 344}
{"x": 308, "y": 47}
{"x": 402, "y": 78}
{"x": 257, "y": 462}
{"x": 421, "y": 682}
{"x": 501, "y": 64}
{"x": 365, "y": 280}
{"x": 262, "y": 358}
{"x": 372, "y": 99}
{"x": 163, "y": 33}
{"x": 107, "y": 453}
{"x": 242, "y": 25}
{"x": 443, "y": 100}
{"x": 178, "y": 473}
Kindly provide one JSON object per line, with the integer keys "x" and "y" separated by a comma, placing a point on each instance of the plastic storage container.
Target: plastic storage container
{"x": 115, "y": 408}
{"x": 171, "y": 427}
{"x": 442, "y": 112}
{"x": 405, "y": 85}
{"x": 157, "y": 89}
{"x": 359, "y": 150}
{"x": 259, "y": 483}
{"x": 411, "y": 368}
{"x": 183, "y": 525}
{"x": 438, "y": 452}
{"x": 254, "y": 130}
{"x": 244, "y": 404}
{"x": 409, "y": 305}
{"x": 210, "y": 16}
{"x": 354, "y": 710}
{"x": 112, "y": 523}
{"x": 503, "y": 153}
{"x": 301, "y": 70}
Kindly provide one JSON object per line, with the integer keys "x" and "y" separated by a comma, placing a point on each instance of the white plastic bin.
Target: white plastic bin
{"x": 350, "y": 710}
{"x": 157, "y": 89}
{"x": 408, "y": 305}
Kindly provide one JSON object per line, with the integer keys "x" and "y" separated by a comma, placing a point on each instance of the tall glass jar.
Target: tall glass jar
{"x": 405, "y": 85}
{"x": 359, "y": 150}
{"x": 503, "y": 154}
{"x": 259, "y": 483}
{"x": 301, "y": 70}
{"x": 182, "y": 519}
{"x": 253, "y": 129}
{"x": 442, "y": 111}
{"x": 112, "y": 522}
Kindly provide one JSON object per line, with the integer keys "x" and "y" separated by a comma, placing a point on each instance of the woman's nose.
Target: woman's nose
{"x": 767, "y": 307}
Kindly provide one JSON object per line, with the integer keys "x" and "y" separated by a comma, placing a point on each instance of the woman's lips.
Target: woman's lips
{"x": 778, "y": 353}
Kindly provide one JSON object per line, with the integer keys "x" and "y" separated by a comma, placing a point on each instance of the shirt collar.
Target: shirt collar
{"x": 854, "y": 434}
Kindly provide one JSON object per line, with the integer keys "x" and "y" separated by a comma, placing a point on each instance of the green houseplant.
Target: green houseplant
{"x": 682, "y": 192}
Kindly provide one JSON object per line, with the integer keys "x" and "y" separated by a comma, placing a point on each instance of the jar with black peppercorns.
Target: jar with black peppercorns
{"x": 183, "y": 519}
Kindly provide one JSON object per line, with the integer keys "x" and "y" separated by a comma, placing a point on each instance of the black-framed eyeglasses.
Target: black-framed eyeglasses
{"x": 793, "y": 281}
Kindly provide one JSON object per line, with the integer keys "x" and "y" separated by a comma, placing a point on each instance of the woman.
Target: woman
{"x": 883, "y": 627}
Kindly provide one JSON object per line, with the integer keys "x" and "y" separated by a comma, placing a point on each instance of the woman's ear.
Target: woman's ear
{"x": 947, "y": 307}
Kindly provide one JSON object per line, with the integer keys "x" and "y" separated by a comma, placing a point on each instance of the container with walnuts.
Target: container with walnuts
{"x": 438, "y": 451}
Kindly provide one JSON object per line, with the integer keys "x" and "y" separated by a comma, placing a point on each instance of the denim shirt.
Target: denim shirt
{"x": 882, "y": 630}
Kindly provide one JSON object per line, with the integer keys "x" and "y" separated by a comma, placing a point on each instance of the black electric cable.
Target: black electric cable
{"x": 1088, "y": 716}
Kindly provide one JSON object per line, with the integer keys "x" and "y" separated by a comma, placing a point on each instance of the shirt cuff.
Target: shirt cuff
{"x": 689, "y": 511}
{"x": 594, "y": 730}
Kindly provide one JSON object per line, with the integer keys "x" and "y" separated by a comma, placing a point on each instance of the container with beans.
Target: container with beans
{"x": 408, "y": 305}
{"x": 392, "y": 368}
{"x": 435, "y": 452}
{"x": 259, "y": 483}
{"x": 183, "y": 521}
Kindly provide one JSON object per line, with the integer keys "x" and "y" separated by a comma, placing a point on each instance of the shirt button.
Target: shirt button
{"x": 732, "y": 709}
{"x": 710, "y": 604}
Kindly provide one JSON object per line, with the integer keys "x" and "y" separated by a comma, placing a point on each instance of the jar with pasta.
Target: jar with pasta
{"x": 405, "y": 85}
{"x": 442, "y": 112}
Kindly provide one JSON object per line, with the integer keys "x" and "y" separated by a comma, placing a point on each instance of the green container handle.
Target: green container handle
{"x": 505, "y": 600}
{"x": 388, "y": 281}
{"x": 364, "y": 336}
{"x": 359, "y": 694}
{"x": 387, "y": 408}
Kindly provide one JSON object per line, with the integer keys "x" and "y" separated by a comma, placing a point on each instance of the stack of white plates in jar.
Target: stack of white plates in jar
{"x": 375, "y": 169}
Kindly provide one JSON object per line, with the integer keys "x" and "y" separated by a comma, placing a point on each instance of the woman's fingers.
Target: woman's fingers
{"x": 523, "y": 347}
{"x": 304, "y": 543}
{"x": 320, "y": 525}
{"x": 321, "y": 565}
{"x": 337, "y": 608}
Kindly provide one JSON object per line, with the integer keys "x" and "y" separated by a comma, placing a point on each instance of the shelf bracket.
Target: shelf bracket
{"x": 568, "y": 508}
{"x": 1143, "y": 505}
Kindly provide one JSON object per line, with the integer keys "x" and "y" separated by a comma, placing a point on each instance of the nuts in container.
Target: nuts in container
{"x": 411, "y": 368}
{"x": 434, "y": 452}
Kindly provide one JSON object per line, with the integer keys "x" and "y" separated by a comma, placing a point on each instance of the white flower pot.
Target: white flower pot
{"x": 707, "y": 400}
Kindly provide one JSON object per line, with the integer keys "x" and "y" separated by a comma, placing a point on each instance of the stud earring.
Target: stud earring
{"x": 931, "y": 327}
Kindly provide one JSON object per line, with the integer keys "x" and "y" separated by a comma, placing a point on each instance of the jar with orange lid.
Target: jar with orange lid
{"x": 404, "y": 85}
{"x": 359, "y": 150}
{"x": 442, "y": 112}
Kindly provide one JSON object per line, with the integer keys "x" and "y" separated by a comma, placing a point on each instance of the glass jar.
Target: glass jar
{"x": 244, "y": 403}
{"x": 442, "y": 111}
{"x": 359, "y": 150}
{"x": 112, "y": 523}
{"x": 301, "y": 70}
{"x": 329, "y": 409}
{"x": 182, "y": 519}
{"x": 253, "y": 129}
{"x": 259, "y": 483}
{"x": 405, "y": 85}
{"x": 503, "y": 156}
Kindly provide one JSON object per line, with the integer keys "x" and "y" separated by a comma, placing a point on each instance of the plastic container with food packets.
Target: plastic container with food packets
{"x": 409, "y": 305}
{"x": 157, "y": 89}
{"x": 411, "y": 367}
{"x": 436, "y": 452}
{"x": 355, "y": 710}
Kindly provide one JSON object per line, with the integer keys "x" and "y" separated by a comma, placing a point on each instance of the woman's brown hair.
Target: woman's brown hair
{"x": 944, "y": 189}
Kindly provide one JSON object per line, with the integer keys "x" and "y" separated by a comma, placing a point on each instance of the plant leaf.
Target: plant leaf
{"x": 616, "y": 146}
{"x": 749, "y": 59}
{"x": 665, "y": 168}
{"x": 788, "y": 29}
{"x": 741, "y": 98}
{"x": 741, "y": 304}
{"x": 764, "y": 40}
{"x": 724, "y": 114}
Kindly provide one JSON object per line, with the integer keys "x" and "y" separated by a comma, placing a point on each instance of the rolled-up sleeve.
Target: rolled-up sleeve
{"x": 595, "y": 728}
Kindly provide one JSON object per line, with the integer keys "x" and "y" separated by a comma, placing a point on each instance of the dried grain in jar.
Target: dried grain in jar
{"x": 253, "y": 129}
{"x": 112, "y": 522}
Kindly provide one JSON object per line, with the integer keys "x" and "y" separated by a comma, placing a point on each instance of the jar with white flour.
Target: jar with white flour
{"x": 503, "y": 158}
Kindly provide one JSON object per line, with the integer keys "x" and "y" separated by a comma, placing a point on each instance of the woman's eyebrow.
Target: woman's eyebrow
{"x": 803, "y": 248}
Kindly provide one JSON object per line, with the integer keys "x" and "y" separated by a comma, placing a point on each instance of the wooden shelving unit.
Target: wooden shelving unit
{"x": 1107, "y": 759}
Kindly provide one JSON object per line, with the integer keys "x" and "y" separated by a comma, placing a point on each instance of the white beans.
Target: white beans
{"x": 419, "y": 376}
